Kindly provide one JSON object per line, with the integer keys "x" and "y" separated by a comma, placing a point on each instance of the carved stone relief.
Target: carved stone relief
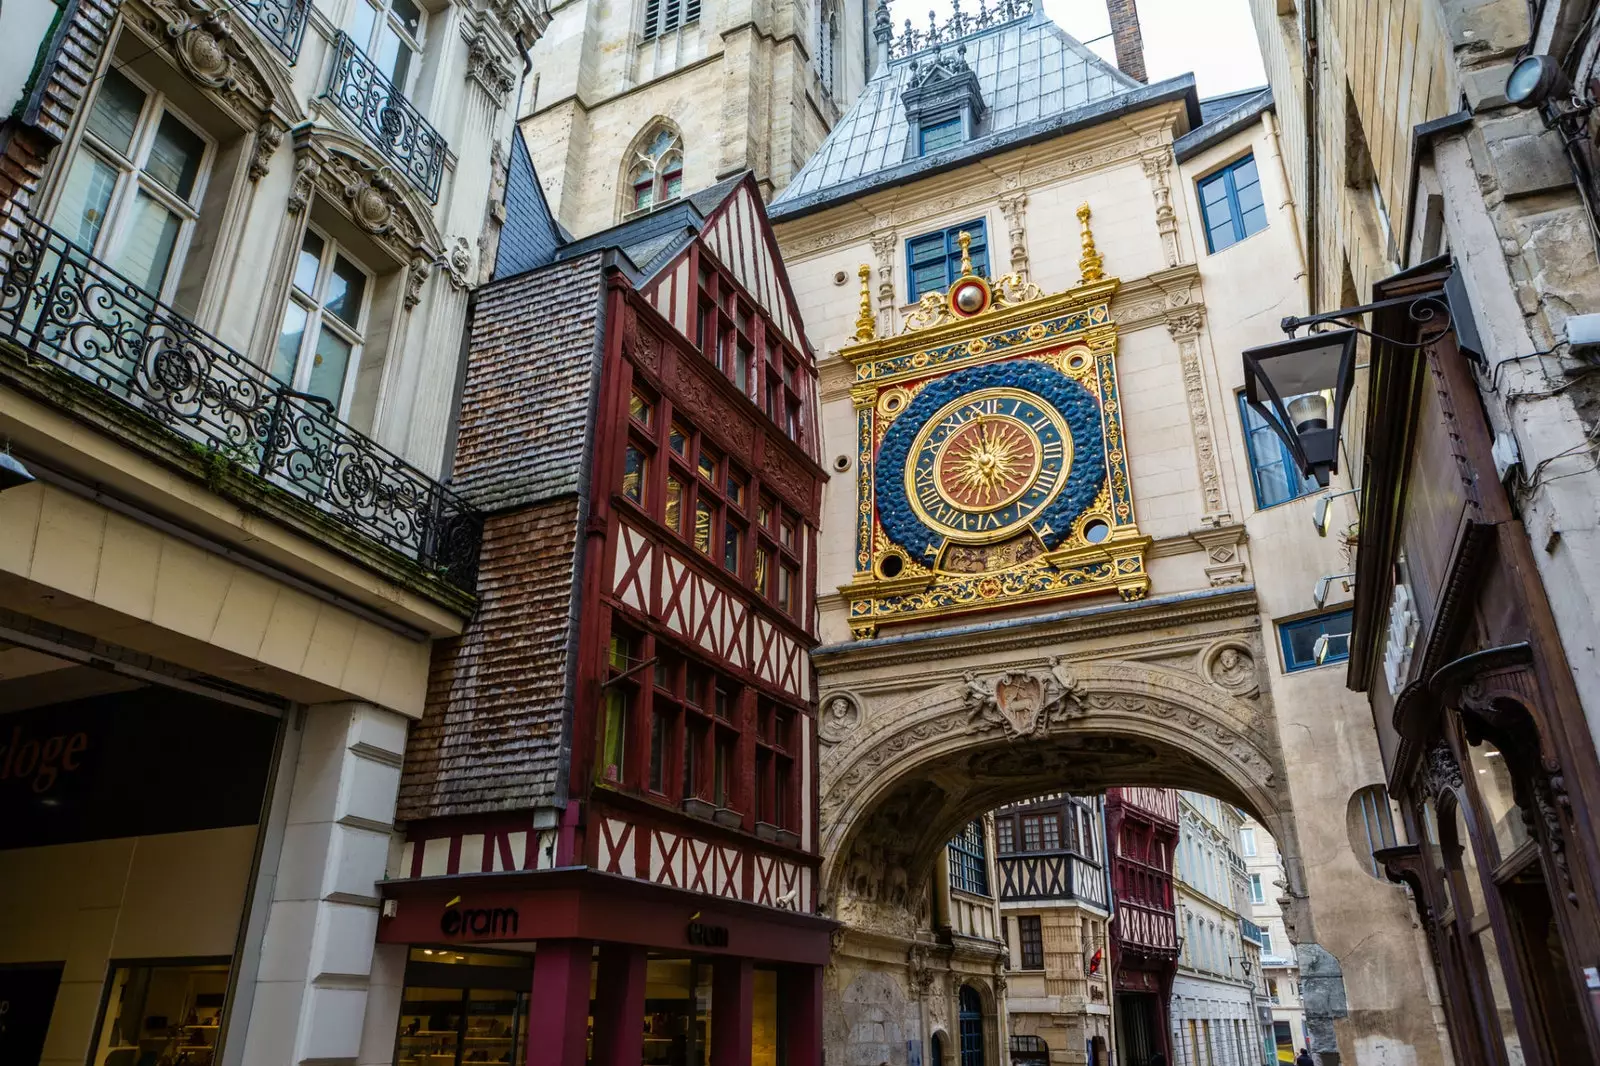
{"x": 884, "y": 246}
{"x": 486, "y": 68}
{"x": 1022, "y": 704}
{"x": 1231, "y": 666}
{"x": 840, "y": 715}
{"x": 1184, "y": 326}
{"x": 1014, "y": 208}
{"x": 1158, "y": 168}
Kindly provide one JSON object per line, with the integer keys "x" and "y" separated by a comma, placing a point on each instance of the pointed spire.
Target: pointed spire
{"x": 866, "y": 322}
{"x": 882, "y": 32}
{"x": 964, "y": 239}
{"x": 1091, "y": 264}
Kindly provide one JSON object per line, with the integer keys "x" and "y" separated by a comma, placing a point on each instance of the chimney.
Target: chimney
{"x": 1129, "y": 41}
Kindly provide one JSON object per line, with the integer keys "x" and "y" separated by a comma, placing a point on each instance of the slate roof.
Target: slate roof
{"x": 530, "y": 235}
{"x": 1224, "y": 116}
{"x": 1036, "y": 80}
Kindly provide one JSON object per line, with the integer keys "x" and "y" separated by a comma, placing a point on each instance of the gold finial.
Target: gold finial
{"x": 866, "y": 322}
{"x": 1091, "y": 263}
{"x": 965, "y": 239}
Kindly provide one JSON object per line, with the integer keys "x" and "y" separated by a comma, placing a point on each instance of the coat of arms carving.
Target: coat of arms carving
{"x": 1024, "y": 703}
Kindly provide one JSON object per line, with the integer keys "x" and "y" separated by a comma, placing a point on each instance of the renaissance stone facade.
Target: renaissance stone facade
{"x": 1124, "y": 631}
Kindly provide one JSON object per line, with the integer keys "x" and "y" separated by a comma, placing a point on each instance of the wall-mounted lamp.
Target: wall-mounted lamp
{"x": 1323, "y": 511}
{"x": 1244, "y": 963}
{"x": 1535, "y": 80}
{"x": 12, "y": 472}
{"x": 1319, "y": 595}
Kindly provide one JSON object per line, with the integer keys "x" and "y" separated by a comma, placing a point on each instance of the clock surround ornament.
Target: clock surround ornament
{"x": 991, "y": 469}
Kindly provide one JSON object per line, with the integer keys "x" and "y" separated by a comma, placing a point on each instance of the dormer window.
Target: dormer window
{"x": 940, "y": 135}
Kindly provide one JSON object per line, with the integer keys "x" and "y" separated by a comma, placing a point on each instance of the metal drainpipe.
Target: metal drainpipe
{"x": 1270, "y": 120}
{"x": 1309, "y": 60}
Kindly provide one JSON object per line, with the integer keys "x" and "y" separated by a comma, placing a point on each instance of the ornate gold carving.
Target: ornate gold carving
{"x": 1090, "y": 265}
{"x": 866, "y": 322}
{"x": 964, "y": 240}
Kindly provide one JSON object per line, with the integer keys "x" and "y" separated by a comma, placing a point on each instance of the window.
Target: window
{"x": 655, "y": 170}
{"x": 1031, "y": 940}
{"x": 324, "y": 318}
{"x": 1272, "y": 466}
{"x": 970, "y": 1024}
{"x": 697, "y": 712}
{"x": 969, "y": 870}
{"x": 390, "y": 32}
{"x": 1256, "y": 893}
{"x": 939, "y": 135}
{"x": 828, "y": 44}
{"x": 1299, "y": 639}
{"x": 935, "y": 259}
{"x": 775, "y": 760}
{"x": 1369, "y": 820}
{"x": 1266, "y": 942}
{"x": 621, "y": 695}
{"x": 1004, "y": 830}
{"x": 1231, "y": 201}
{"x": 1030, "y": 833}
{"x": 1247, "y": 841}
{"x": 132, "y": 194}
{"x": 161, "y": 1004}
{"x": 664, "y": 16}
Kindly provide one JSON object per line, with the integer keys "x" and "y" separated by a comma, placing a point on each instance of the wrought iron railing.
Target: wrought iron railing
{"x": 385, "y": 117}
{"x": 283, "y": 22}
{"x": 61, "y": 304}
{"x": 958, "y": 25}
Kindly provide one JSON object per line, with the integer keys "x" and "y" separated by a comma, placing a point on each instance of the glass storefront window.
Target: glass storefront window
{"x": 463, "y": 1007}
{"x": 1506, "y": 1023}
{"x": 677, "y": 1012}
{"x": 159, "y": 1014}
{"x": 1491, "y": 779}
{"x": 764, "y": 1030}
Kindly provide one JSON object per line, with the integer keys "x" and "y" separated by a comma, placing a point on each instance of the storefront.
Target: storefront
{"x": 515, "y": 968}
{"x": 129, "y": 827}
{"x": 1485, "y": 745}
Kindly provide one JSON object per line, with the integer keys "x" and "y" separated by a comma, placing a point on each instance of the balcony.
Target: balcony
{"x": 385, "y": 117}
{"x": 1250, "y": 931}
{"x": 281, "y": 22}
{"x": 154, "y": 379}
{"x": 1052, "y": 875}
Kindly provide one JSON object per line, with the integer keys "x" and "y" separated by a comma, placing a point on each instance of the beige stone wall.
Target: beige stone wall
{"x": 1060, "y": 1004}
{"x": 741, "y": 84}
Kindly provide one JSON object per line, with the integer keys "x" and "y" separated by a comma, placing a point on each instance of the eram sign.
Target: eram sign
{"x": 478, "y": 921}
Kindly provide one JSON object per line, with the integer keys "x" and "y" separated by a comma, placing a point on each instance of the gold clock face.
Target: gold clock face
{"x": 986, "y": 464}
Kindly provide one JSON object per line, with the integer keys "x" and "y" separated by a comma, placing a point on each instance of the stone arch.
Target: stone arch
{"x": 914, "y": 766}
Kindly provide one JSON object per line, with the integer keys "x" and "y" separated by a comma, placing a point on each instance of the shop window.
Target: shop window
{"x": 1300, "y": 639}
{"x": 1273, "y": 473}
{"x": 969, "y": 868}
{"x": 1231, "y": 202}
{"x": 460, "y": 1008}
{"x": 1491, "y": 778}
{"x": 934, "y": 260}
{"x": 157, "y": 1012}
{"x": 677, "y": 1009}
{"x": 1030, "y": 937}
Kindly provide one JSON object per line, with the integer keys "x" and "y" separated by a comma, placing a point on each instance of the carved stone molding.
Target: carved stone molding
{"x": 1158, "y": 169}
{"x": 1231, "y": 666}
{"x": 1184, "y": 324}
{"x": 269, "y": 135}
{"x": 1224, "y": 563}
{"x": 1023, "y": 703}
{"x": 458, "y": 265}
{"x": 368, "y": 193}
{"x": 1014, "y": 208}
{"x": 884, "y": 246}
{"x": 486, "y": 67}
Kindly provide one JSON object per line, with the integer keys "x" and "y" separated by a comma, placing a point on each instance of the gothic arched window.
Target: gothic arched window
{"x": 828, "y": 43}
{"x": 655, "y": 169}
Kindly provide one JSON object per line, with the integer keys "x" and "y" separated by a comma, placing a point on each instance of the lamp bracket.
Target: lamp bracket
{"x": 1422, "y": 307}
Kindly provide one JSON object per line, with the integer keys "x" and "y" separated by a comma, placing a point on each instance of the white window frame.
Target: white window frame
{"x": 318, "y": 317}
{"x": 384, "y": 16}
{"x": 1258, "y": 894}
{"x": 1247, "y": 842}
{"x": 132, "y": 179}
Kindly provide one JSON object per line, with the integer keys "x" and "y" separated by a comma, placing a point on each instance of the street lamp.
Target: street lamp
{"x": 1296, "y": 378}
{"x": 1324, "y": 509}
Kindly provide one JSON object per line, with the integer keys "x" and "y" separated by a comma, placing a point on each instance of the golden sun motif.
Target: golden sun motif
{"x": 986, "y": 466}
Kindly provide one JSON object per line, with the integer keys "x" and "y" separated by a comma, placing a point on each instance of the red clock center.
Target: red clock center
{"x": 987, "y": 463}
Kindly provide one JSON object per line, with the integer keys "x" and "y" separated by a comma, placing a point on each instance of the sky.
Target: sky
{"x": 1213, "y": 38}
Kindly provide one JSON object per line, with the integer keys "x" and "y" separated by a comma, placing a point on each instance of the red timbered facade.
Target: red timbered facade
{"x": 1142, "y": 834}
{"x": 674, "y": 767}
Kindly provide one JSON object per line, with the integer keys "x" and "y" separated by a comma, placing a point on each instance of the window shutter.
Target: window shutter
{"x": 691, "y": 11}
{"x": 652, "y": 15}
{"x": 669, "y": 19}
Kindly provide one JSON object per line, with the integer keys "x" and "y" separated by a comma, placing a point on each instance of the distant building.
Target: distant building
{"x": 1280, "y": 969}
{"x": 1142, "y": 839}
{"x": 1049, "y": 854}
{"x": 1214, "y": 1017}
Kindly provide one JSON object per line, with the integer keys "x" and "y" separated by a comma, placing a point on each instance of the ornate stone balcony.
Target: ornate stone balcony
{"x": 385, "y": 117}
{"x": 76, "y": 334}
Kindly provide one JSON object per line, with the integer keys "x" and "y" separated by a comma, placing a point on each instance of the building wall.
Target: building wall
{"x": 741, "y": 85}
{"x": 1278, "y": 965}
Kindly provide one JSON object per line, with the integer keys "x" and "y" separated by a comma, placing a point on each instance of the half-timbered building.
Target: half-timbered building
{"x": 1142, "y": 838}
{"x": 610, "y": 802}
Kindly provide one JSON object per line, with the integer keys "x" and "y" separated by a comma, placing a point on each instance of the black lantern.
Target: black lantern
{"x": 1290, "y": 384}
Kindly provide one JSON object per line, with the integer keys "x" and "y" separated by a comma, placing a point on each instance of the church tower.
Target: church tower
{"x": 631, "y": 103}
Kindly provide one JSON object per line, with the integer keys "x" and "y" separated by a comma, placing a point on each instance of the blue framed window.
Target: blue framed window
{"x": 969, "y": 868}
{"x": 1272, "y": 470}
{"x": 937, "y": 136}
{"x": 970, "y": 1021}
{"x": 1231, "y": 202}
{"x": 933, "y": 261}
{"x": 1299, "y": 640}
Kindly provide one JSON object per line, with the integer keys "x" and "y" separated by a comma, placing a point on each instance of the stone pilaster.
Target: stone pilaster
{"x": 1184, "y": 326}
{"x": 1158, "y": 168}
{"x": 884, "y": 246}
{"x": 1014, "y": 207}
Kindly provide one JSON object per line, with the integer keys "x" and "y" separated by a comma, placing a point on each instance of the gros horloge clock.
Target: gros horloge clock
{"x": 990, "y": 454}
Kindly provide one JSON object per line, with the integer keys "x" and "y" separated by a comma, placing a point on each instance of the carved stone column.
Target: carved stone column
{"x": 883, "y": 246}
{"x": 1184, "y": 326}
{"x": 1014, "y": 207}
{"x": 1158, "y": 168}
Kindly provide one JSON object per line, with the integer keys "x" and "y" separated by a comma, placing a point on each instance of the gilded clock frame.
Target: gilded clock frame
{"x": 1072, "y": 332}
